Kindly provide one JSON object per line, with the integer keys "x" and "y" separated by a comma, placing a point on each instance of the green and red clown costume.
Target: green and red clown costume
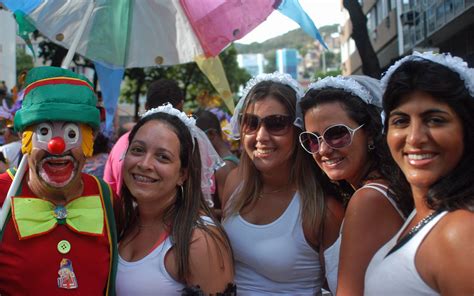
{"x": 51, "y": 249}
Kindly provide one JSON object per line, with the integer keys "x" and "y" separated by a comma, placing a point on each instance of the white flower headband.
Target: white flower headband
{"x": 233, "y": 129}
{"x": 455, "y": 64}
{"x": 364, "y": 87}
{"x": 210, "y": 159}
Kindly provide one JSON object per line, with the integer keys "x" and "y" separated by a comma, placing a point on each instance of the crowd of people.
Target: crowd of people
{"x": 355, "y": 186}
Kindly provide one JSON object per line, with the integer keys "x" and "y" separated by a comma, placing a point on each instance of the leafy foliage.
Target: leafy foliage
{"x": 23, "y": 61}
{"x": 188, "y": 76}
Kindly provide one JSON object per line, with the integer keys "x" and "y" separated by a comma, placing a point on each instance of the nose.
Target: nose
{"x": 324, "y": 148}
{"x": 417, "y": 133}
{"x": 262, "y": 133}
{"x": 145, "y": 161}
{"x": 56, "y": 145}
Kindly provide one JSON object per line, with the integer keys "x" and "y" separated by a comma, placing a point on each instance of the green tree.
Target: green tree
{"x": 321, "y": 74}
{"x": 23, "y": 61}
{"x": 270, "y": 57}
{"x": 370, "y": 61}
{"x": 189, "y": 77}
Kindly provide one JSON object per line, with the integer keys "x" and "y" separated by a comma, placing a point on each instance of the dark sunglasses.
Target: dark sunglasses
{"x": 336, "y": 136}
{"x": 274, "y": 124}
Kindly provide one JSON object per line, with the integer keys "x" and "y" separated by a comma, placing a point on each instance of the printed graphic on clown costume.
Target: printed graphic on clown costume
{"x": 67, "y": 278}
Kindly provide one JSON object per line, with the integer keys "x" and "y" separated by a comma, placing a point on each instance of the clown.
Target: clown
{"x": 58, "y": 214}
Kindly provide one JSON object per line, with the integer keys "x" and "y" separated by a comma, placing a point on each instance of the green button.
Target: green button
{"x": 64, "y": 247}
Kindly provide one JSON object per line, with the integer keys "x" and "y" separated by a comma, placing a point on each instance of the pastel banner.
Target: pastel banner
{"x": 214, "y": 71}
{"x": 217, "y": 23}
{"x": 293, "y": 10}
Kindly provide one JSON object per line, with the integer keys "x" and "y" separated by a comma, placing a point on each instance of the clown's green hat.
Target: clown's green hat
{"x": 56, "y": 94}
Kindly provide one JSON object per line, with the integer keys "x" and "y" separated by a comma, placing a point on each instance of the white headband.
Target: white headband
{"x": 210, "y": 159}
{"x": 364, "y": 87}
{"x": 233, "y": 129}
{"x": 455, "y": 64}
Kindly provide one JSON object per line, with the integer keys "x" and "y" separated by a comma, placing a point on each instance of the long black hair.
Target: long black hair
{"x": 379, "y": 158}
{"x": 456, "y": 189}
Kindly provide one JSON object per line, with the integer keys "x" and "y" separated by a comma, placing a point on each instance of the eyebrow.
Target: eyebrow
{"x": 160, "y": 149}
{"x": 424, "y": 113}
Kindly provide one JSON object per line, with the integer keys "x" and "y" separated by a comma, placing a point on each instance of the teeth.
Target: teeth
{"x": 332, "y": 161}
{"x": 264, "y": 151}
{"x": 143, "y": 179}
{"x": 420, "y": 156}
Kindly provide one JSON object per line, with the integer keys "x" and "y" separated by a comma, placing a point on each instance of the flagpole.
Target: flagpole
{"x": 13, "y": 188}
{"x": 75, "y": 42}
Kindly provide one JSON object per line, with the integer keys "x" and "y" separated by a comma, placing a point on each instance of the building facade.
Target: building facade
{"x": 254, "y": 63}
{"x": 287, "y": 61}
{"x": 399, "y": 27}
{"x": 7, "y": 48}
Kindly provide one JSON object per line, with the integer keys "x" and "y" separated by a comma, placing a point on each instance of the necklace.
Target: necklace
{"x": 413, "y": 231}
{"x": 281, "y": 189}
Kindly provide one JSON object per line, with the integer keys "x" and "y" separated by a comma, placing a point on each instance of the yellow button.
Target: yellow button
{"x": 64, "y": 247}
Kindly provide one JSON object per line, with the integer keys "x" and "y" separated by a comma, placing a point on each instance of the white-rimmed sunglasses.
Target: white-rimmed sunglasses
{"x": 336, "y": 136}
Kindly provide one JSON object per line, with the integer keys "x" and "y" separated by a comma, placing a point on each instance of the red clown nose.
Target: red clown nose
{"x": 56, "y": 145}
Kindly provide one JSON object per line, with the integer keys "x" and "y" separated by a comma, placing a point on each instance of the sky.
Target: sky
{"x": 322, "y": 12}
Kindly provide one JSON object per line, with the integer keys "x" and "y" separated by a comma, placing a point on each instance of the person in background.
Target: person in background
{"x": 277, "y": 213}
{"x": 95, "y": 164}
{"x": 10, "y": 152}
{"x": 429, "y": 107}
{"x": 209, "y": 123}
{"x": 344, "y": 135}
{"x": 169, "y": 243}
{"x": 159, "y": 92}
{"x": 59, "y": 237}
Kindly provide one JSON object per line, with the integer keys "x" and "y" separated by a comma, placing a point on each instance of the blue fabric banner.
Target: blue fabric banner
{"x": 109, "y": 81}
{"x": 293, "y": 10}
{"x": 25, "y": 6}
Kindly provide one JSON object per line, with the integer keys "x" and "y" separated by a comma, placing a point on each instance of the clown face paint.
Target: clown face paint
{"x": 57, "y": 155}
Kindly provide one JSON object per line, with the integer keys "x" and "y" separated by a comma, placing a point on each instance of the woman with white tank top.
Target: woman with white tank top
{"x": 429, "y": 103}
{"x": 344, "y": 136}
{"x": 274, "y": 204}
{"x": 169, "y": 244}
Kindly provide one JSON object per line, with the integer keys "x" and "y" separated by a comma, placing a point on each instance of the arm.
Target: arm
{"x": 445, "y": 258}
{"x": 333, "y": 221}
{"x": 210, "y": 262}
{"x": 221, "y": 176}
{"x": 113, "y": 166}
{"x": 370, "y": 221}
{"x": 232, "y": 181}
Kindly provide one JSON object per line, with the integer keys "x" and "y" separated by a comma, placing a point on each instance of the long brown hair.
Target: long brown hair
{"x": 184, "y": 215}
{"x": 304, "y": 173}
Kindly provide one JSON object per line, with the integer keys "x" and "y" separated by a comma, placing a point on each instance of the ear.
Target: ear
{"x": 183, "y": 176}
{"x": 211, "y": 134}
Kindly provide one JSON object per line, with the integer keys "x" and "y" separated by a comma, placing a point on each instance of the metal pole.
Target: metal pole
{"x": 12, "y": 190}
{"x": 72, "y": 49}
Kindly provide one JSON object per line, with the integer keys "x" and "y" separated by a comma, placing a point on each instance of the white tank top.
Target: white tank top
{"x": 148, "y": 276}
{"x": 396, "y": 274}
{"x": 331, "y": 254}
{"x": 274, "y": 259}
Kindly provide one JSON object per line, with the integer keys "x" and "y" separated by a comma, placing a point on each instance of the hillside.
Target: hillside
{"x": 293, "y": 39}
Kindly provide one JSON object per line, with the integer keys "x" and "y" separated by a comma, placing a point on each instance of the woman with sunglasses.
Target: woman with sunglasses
{"x": 429, "y": 103}
{"x": 274, "y": 205}
{"x": 344, "y": 136}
